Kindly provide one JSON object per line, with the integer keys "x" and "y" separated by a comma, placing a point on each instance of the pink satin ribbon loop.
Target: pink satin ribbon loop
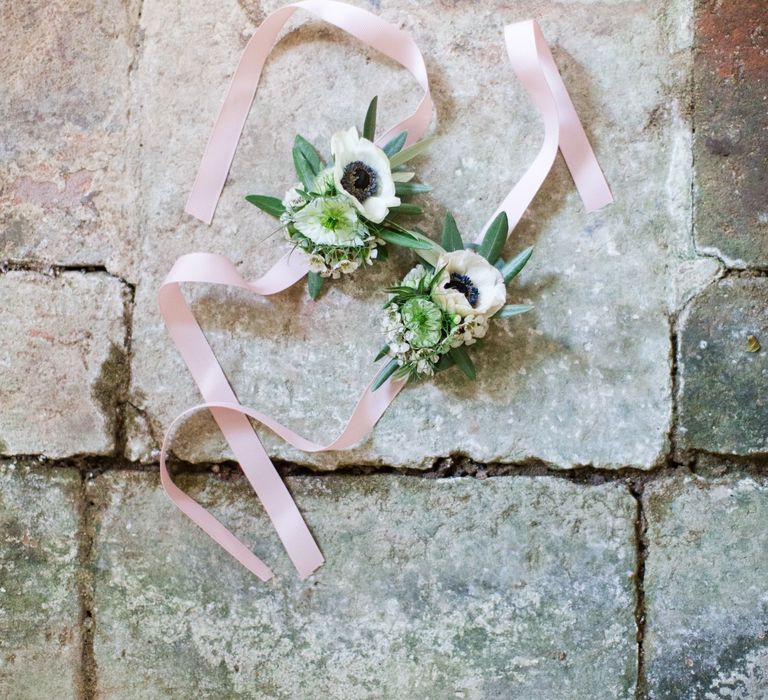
{"x": 372, "y": 30}
{"x": 232, "y": 418}
{"x": 534, "y": 66}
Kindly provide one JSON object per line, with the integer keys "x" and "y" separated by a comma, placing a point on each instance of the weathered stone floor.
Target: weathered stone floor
{"x": 589, "y": 520}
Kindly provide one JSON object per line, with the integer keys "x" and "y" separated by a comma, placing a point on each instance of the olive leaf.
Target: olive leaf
{"x": 314, "y": 284}
{"x": 407, "y": 209}
{"x": 463, "y": 361}
{"x": 306, "y": 161}
{"x": 389, "y": 369}
{"x": 494, "y": 239}
{"x": 392, "y": 147}
{"x": 451, "y": 239}
{"x": 369, "y": 126}
{"x": 510, "y": 270}
{"x": 405, "y": 240}
{"x": 271, "y": 205}
{"x": 411, "y": 152}
{"x": 403, "y": 189}
{"x": 512, "y": 310}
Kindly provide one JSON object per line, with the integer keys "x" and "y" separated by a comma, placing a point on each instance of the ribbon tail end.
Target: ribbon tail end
{"x": 199, "y": 212}
{"x": 600, "y": 202}
{"x": 309, "y": 568}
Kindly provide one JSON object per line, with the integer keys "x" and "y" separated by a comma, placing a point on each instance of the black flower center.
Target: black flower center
{"x": 463, "y": 284}
{"x": 360, "y": 180}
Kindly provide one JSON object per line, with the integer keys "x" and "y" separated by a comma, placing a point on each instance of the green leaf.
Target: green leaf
{"x": 407, "y": 209}
{"x": 271, "y": 205}
{"x": 510, "y": 270}
{"x": 314, "y": 284}
{"x": 369, "y": 126}
{"x": 392, "y": 147}
{"x": 451, "y": 239}
{"x": 411, "y": 152}
{"x": 403, "y": 189}
{"x": 512, "y": 310}
{"x": 463, "y": 361}
{"x": 386, "y": 373}
{"x": 494, "y": 239}
{"x": 382, "y": 253}
{"x": 306, "y": 161}
{"x": 382, "y": 353}
{"x": 445, "y": 362}
{"x": 310, "y": 154}
{"x": 403, "y": 239}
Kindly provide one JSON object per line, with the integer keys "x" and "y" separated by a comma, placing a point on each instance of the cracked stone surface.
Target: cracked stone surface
{"x": 705, "y": 589}
{"x": 62, "y": 362}
{"x": 39, "y": 607}
{"x": 583, "y": 379}
{"x": 723, "y": 388}
{"x": 65, "y": 180}
{"x": 431, "y": 588}
{"x": 731, "y": 144}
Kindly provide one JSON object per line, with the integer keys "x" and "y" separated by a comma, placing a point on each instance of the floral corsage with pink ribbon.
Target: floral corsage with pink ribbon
{"x": 340, "y": 213}
{"x": 438, "y": 312}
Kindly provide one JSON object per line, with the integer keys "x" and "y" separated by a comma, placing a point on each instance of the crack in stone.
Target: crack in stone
{"x": 641, "y": 551}
{"x": 85, "y": 537}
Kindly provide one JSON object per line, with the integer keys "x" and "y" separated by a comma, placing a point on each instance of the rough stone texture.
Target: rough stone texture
{"x": 584, "y": 379}
{"x": 705, "y": 593}
{"x": 503, "y": 588}
{"x": 39, "y": 608}
{"x": 723, "y": 388}
{"x": 62, "y": 362}
{"x": 731, "y": 144}
{"x": 65, "y": 194}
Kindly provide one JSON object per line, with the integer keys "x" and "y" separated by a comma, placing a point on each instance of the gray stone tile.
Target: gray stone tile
{"x": 705, "y": 592}
{"x": 502, "y": 588}
{"x": 67, "y": 188}
{"x": 62, "y": 362}
{"x": 723, "y": 388}
{"x": 39, "y": 607}
{"x": 583, "y": 379}
{"x": 731, "y": 144}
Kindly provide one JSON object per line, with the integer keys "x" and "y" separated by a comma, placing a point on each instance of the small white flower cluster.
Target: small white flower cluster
{"x": 324, "y": 262}
{"x": 399, "y": 339}
{"x": 470, "y": 330}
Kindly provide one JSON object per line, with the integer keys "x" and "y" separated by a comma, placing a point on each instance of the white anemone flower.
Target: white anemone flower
{"x": 469, "y": 285}
{"x": 361, "y": 171}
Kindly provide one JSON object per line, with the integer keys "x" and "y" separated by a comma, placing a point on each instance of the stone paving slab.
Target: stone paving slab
{"x": 62, "y": 362}
{"x": 723, "y": 387}
{"x": 731, "y": 144}
{"x": 66, "y": 194}
{"x": 705, "y": 590}
{"x": 584, "y": 379}
{"x": 502, "y": 588}
{"x": 39, "y": 607}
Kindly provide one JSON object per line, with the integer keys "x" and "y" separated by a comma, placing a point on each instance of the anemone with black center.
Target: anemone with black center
{"x": 360, "y": 180}
{"x": 463, "y": 284}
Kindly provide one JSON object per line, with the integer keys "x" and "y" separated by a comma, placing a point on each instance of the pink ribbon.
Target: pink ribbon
{"x": 232, "y": 418}
{"x": 533, "y": 64}
{"x": 535, "y": 67}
